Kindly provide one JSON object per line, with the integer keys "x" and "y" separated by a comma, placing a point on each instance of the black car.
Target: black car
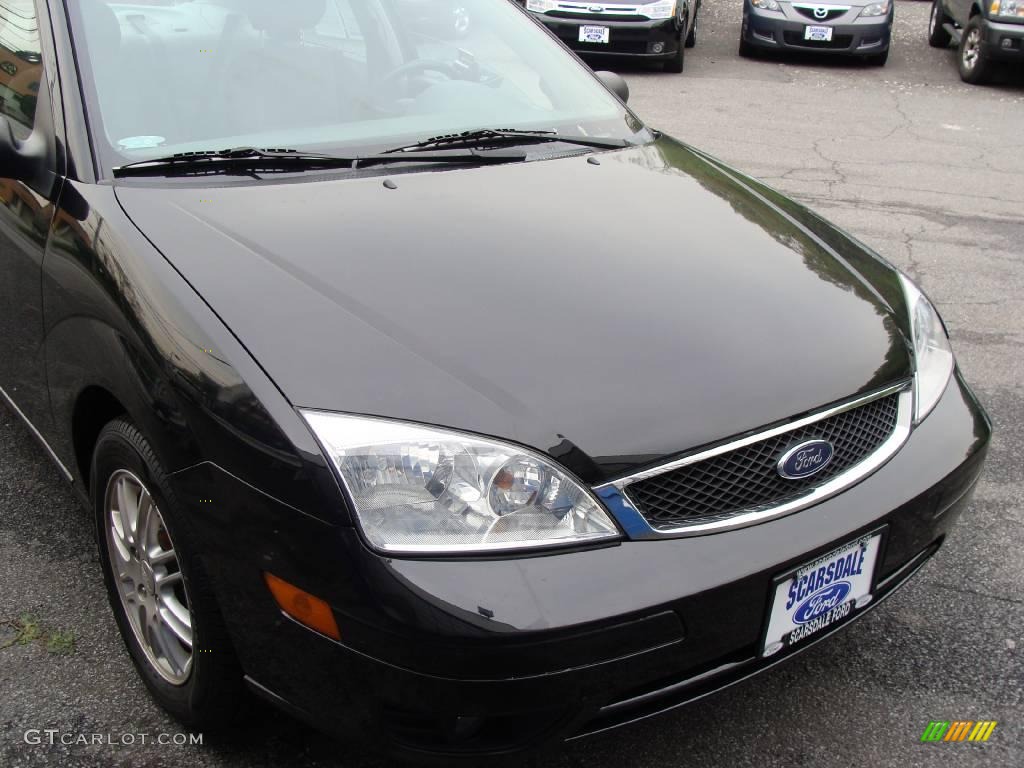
{"x": 653, "y": 30}
{"x": 986, "y": 34}
{"x": 856, "y": 28}
{"x": 377, "y": 420}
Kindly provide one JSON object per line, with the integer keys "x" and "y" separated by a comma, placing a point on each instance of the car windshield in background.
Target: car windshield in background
{"x": 352, "y": 76}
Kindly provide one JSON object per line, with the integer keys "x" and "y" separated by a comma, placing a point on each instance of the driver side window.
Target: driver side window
{"x": 21, "y": 65}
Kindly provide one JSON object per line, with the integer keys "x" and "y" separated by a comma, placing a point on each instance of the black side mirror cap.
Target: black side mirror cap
{"x": 21, "y": 160}
{"x": 615, "y": 83}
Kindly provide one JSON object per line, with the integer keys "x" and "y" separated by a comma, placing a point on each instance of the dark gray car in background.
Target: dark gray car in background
{"x": 861, "y": 28}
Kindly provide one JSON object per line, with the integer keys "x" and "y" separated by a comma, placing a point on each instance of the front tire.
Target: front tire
{"x": 691, "y": 39}
{"x": 747, "y": 51}
{"x": 938, "y": 37}
{"x": 160, "y": 594}
{"x": 878, "y": 59}
{"x": 975, "y": 68}
{"x": 677, "y": 62}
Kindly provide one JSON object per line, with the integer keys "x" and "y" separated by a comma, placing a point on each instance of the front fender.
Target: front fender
{"x": 119, "y": 318}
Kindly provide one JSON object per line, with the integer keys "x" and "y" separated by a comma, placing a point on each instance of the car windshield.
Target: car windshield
{"x": 170, "y": 76}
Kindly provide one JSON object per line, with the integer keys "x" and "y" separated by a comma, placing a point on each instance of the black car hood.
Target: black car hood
{"x": 610, "y": 315}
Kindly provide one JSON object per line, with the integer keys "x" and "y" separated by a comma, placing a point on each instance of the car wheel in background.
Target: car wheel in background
{"x": 747, "y": 51}
{"x": 691, "y": 39}
{"x": 159, "y": 592}
{"x": 878, "y": 59}
{"x": 974, "y": 67}
{"x": 938, "y": 37}
{"x": 677, "y": 62}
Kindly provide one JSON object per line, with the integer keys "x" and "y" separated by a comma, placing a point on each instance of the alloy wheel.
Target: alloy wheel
{"x": 148, "y": 576}
{"x": 972, "y": 48}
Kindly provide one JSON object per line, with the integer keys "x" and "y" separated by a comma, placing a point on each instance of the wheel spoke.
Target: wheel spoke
{"x": 174, "y": 657}
{"x": 174, "y": 607}
{"x": 126, "y": 508}
{"x": 142, "y": 524}
{"x": 134, "y": 497}
{"x": 128, "y": 592}
{"x": 162, "y": 557}
{"x": 182, "y": 629}
{"x": 157, "y": 634}
{"x": 168, "y": 580}
{"x": 129, "y": 574}
{"x": 145, "y": 621}
{"x": 121, "y": 545}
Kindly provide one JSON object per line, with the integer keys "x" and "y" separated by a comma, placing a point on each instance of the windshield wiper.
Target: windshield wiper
{"x": 224, "y": 159}
{"x": 250, "y": 159}
{"x": 491, "y": 136}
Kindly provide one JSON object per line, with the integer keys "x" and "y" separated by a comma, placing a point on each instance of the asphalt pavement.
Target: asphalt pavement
{"x": 923, "y": 168}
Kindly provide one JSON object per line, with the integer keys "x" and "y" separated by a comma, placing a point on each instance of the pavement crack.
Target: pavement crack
{"x": 976, "y": 593}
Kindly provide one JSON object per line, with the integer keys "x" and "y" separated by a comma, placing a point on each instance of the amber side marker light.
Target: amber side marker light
{"x": 305, "y": 608}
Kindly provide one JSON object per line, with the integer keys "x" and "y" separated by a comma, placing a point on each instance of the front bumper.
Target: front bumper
{"x": 785, "y": 31}
{"x": 446, "y": 656}
{"x": 1002, "y": 41}
{"x": 639, "y": 39}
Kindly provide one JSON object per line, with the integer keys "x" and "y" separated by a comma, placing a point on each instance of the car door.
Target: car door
{"x": 26, "y": 208}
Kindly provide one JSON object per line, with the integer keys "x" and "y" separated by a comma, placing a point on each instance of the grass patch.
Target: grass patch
{"x": 61, "y": 641}
{"x": 27, "y": 629}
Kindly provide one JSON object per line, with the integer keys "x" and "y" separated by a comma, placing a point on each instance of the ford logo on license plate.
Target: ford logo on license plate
{"x": 823, "y": 600}
{"x": 806, "y": 459}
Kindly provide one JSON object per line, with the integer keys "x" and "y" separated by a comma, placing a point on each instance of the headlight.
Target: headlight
{"x": 1007, "y": 8}
{"x": 540, "y": 6}
{"x": 933, "y": 357}
{"x": 766, "y": 5}
{"x": 658, "y": 10}
{"x": 875, "y": 9}
{"x": 425, "y": 489}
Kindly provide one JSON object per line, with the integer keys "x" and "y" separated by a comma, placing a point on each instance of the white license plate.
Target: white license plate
{"x": 821, "y": 594}
{"x": 818, "y": 34}
{"x": 594, "y": 34}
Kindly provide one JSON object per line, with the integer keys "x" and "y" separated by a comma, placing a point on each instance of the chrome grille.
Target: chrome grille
{"x": 739, "y": 481}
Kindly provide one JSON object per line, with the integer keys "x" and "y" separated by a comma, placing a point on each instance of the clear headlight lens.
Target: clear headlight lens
{"x": 933, "y": 356}
{"x": 426, "y": 489}
{"x": 540, "y": 6}
{"x": 1007, "y": 8}
{"x": 875, "y": 9}
{"x": 766, "y": 5}
{"x": 658, "y": 10}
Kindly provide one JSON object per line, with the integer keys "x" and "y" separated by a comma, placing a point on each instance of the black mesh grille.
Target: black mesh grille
{"x": 747, "y": 478}
{"x": 595, "y": 17}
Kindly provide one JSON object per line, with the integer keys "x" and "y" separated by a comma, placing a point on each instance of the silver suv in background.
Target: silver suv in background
{"x": 986, "y": 34}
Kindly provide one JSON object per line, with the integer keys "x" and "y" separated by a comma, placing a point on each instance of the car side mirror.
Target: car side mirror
{"x": 21, "y": 160}
{"x": 614, "y": 83}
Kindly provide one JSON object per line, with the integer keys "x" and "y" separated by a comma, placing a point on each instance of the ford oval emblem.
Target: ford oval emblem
{"x": 823, "y": 600}
{"x": 806, "y": 459}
